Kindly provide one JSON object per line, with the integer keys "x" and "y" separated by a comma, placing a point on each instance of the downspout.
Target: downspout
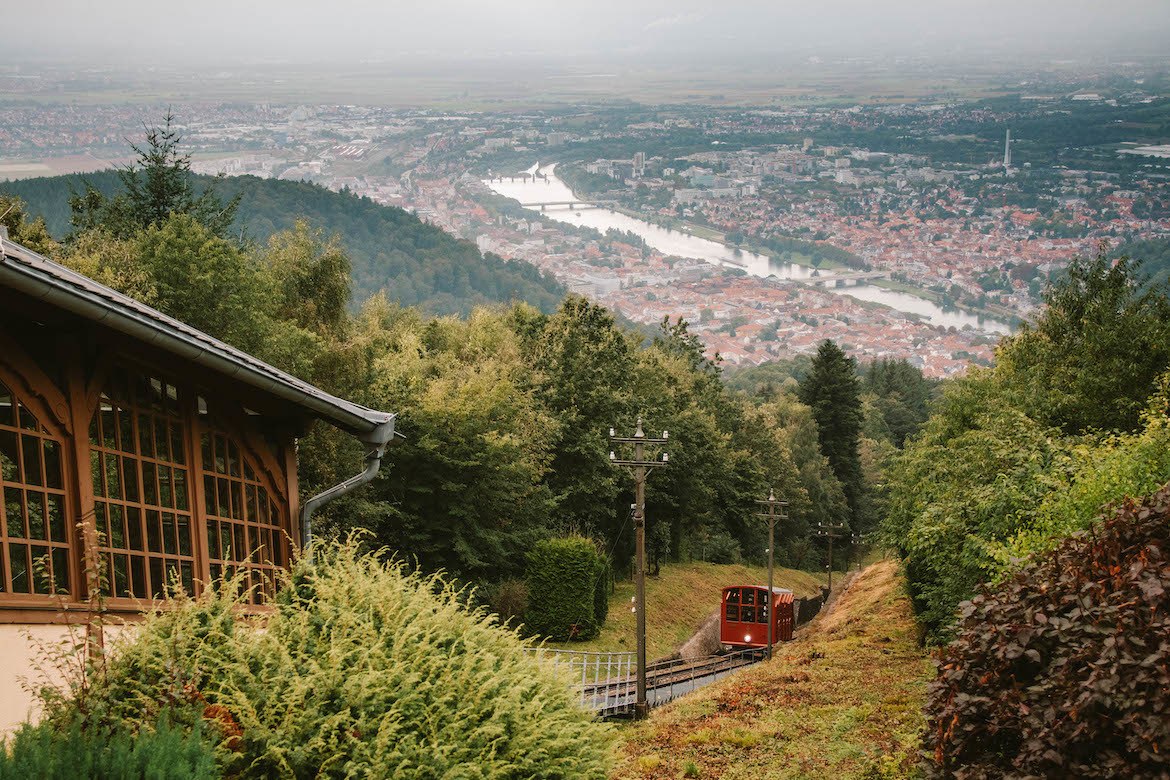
{"x": 377, "y": 439}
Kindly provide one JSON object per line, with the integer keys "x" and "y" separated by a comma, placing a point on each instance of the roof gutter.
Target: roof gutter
{"x": 377, "y": 440}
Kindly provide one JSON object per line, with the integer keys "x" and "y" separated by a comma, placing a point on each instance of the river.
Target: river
{"x": 549, "y": 188}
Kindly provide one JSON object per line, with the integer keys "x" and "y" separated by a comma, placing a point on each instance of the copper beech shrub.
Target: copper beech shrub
{"x": 1063, "y": 670}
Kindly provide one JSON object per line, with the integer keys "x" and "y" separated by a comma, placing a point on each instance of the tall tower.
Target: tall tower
{"x": 1007, "y": 151}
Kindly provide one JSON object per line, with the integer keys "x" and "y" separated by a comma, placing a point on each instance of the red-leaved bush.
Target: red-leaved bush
{"x": 1064, "y": 670}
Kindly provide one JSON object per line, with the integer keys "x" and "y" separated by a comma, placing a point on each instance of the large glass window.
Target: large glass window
{"x": 35, "y": 555}
{"x": 245, "y": 524}
{"x": 141, "y": 485}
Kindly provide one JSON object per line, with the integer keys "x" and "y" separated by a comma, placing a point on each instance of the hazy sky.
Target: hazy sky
{"x": 229, "y": 31}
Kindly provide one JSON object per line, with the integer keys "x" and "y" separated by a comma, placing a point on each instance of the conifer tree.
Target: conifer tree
{"x": 157, "y": 185}
{"x": 832, "y": 390}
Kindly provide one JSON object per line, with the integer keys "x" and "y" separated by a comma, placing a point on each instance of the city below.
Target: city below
{"x": 923, "y": 229}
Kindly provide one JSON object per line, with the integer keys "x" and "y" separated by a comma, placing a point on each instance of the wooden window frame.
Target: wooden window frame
{"x": 66, "y": 413}
{"x": 170, "y": 558}
{"x": 41, "y": 402}
{"x": 220, "y": 420}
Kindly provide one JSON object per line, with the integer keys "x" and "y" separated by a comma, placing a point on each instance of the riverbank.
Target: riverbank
{"x": 996, "y": 313}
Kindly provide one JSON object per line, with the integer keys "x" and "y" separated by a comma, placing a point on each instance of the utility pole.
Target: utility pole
{"x": 854, "y": 541}
{"x": 640, "y": 467}
{"x": 832, "y": 532}
{"x": 770, "y": 514}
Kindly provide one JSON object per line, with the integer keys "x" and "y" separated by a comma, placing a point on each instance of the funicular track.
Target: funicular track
{"x": 606, "y": 682}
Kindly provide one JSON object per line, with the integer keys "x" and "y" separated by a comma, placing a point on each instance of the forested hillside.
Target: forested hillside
{"x": 1154, "y": 254}
{"x": 417, "y": 264}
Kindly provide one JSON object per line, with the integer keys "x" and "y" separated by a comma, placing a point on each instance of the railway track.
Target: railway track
{"x": 665, "y": 681}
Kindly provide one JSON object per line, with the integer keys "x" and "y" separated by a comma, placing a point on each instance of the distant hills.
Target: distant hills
{"x": 417, "y": 264}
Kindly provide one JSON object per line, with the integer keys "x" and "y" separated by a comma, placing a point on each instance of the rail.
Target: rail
{"x": 606, "y": 682}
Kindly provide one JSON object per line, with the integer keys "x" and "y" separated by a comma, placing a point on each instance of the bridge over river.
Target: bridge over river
{"x": 574, "y": 205}
{"x": 843, "y": 280}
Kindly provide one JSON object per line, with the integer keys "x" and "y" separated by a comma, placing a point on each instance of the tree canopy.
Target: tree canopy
{"x": 1015, "y": 458}
{"x": 155, "y": 186}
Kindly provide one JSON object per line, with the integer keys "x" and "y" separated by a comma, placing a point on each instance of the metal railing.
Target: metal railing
{"x": 606, "y": 682}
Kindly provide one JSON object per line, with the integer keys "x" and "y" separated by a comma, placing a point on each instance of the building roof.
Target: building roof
{"x": 40, "y": 278}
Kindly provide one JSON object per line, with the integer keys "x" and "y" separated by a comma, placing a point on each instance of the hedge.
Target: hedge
{"x": 564, "y": 577}
{"x": 66, "y": 751}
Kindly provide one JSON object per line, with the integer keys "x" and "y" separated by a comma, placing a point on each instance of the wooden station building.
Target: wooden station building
{"x": 141, "y": 448}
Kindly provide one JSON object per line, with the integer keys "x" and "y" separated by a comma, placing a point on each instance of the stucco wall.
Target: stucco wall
{"x": 19, "y": 651}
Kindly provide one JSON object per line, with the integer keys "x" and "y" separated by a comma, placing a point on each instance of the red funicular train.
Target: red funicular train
{"x": 743, "y": 621}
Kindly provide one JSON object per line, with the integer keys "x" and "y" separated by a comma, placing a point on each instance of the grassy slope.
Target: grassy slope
{"x": 842, "y": 701}
{"x": 679, "y": 600}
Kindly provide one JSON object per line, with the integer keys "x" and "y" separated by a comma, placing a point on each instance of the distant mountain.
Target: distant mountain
{"x": 416, "y": 263}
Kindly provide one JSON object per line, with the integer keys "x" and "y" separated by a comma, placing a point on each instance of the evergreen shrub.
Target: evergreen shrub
{"x": 563, "y": 576}
{"x": 1063, "y": 670}
{"x": 66, "y": 751}
{"x": 509, "y": 600}
{"x": 362, "y": 669}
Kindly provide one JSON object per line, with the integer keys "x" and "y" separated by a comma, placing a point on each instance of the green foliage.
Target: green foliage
{"x": 1105, "y": 472}
{"x": 563, "y": 585}
{"x": 311, "y": 278}
{"x": 509, "y": 600}
{"x": 1154, "y": 254}
{"x": 466, "y": 489}
{"x": 361, "y": 669}
{"x": 718, "y": 547}
{"x": 585, "y": 363}
{"x": 831, "y": 389}
{"x": 203, "y": 280}
{"x": 901, "y": 397}
{"x": 817, "y": 252}
{"x": 1091, "y": 360}
{"x": 54, "y": 751}
{"x": 1060, "y": 671}
{"x": 156, "y": 187}
{"x": 971, "y": 482}
{"x": 1015, "y": 458}
{"x": 601, "y": 593}
{"x": 391, "y": 250}
{"x": 27, "y": 232}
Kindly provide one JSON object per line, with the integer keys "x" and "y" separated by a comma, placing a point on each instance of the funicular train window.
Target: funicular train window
{"x": 34, "y": 532}
{"x": 245, "y": 522}
{"x": 141, "y": 485}
{"x": 762, "y": 612}
{"x": 747, "y": 612}
{"x": 732, "y": 611}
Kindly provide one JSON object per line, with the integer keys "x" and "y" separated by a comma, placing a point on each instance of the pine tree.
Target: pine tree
{"x": 156, "y": 186}
{"x": 832, "y": 390}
